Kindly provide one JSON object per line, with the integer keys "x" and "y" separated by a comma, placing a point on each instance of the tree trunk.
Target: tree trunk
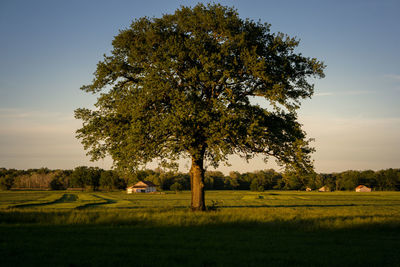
{"x": 197, "y": 184}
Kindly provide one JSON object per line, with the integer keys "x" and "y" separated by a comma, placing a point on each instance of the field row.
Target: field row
{"x": 222, "y": 199}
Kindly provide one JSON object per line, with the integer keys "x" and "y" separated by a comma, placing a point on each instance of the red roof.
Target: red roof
{"x": 140, "y": 185}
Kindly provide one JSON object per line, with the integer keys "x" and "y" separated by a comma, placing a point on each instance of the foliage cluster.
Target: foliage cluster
{"x": 86, "y": 178}
{"x": 183, "y": 85}
{"x": 388, "y": 179}
{"x": 90, "y": 178}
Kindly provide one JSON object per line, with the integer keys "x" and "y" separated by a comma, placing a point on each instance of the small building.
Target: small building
{"x": 142, "y": 187}
{"x": 363, "y": 188}
{"x": 308, "y": 189}
{"x": 324, "y": 189}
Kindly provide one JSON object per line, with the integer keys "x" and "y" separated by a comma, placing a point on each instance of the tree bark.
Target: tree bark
{"x": 197, "y": 184}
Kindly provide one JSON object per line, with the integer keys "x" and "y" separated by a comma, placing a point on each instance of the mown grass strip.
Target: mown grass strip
{"x": 93, "y": 200}
{"x": 48, "y": 200}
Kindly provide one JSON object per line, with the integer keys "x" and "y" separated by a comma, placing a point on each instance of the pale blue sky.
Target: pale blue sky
{"x": 48, "y": 49}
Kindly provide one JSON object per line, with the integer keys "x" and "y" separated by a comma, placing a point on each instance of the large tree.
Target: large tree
{"x": 187, "y": 85}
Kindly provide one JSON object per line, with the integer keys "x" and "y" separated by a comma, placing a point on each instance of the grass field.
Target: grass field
{"x": 247, "y": 229}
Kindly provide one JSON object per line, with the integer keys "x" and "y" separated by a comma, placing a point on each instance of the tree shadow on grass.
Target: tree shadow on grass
{"x": 306, "y": 205}
{"x": 288, "y": 206}
{"x": 274, "y": 243}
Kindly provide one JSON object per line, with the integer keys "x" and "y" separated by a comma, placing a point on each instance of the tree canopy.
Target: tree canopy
{"x": 184, "y": 85}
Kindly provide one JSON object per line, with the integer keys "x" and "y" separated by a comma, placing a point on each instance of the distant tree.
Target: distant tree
{"x": 294, "y": 180}
{"x": 256, "y": 185}
{"x": 61, "y": 179}
{"x": 34, "y": 178}
{"x": 6, "y": 182}
{"x": 93, "y": 178}
{"x": 57, "y": 184}
{"x": 78, "y": 177}
{"x": 166, "y": 180}
{"x": 183, "y": 179}
{"x": 218, "y": 178}
{"x": 388, "y": 179}
{"x": 348, "y": 180}
{"x": 43, "y": 170}
{"x": 245, "y": 180}
{"x": 3, "y": 172}
{"x": 268, "y": 179}
{"x": 214, "y": 180}
{"x": 110, "y": 180}
{"x": 176, "y": 187}
{"x": 368, "y": 178}
{"x": 86, "y": 177}
{"x": 232, "y": 181}
{"x": 184, "y": 85}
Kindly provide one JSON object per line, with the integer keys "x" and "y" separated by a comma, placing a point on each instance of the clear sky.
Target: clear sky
{"x": 48, "y": 49}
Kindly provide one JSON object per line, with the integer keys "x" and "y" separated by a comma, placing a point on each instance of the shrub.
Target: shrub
{"x": 6, "y": 182}
{"x": 176, "y": 187}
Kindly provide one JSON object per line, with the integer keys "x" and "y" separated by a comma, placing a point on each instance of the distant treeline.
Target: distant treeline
{"x": 92, "y": 178}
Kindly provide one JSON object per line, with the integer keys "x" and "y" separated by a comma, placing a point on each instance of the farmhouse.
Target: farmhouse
{"x": 142, "y": 187}
{"x": 324, "y": 189}
{"x": 308, "y": 189}
{"x": 363, "y": 188}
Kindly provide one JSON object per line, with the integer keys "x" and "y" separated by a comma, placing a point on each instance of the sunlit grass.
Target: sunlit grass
{"x": 277, "y": 209}
{"x": 302, "y": 219}
{"x": 274, "y": 228}
{"x": 47, "y": 199}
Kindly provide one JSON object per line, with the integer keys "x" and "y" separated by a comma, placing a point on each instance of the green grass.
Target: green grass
{"x": 251, "y": 229}
{"x": 226, "y": 199}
